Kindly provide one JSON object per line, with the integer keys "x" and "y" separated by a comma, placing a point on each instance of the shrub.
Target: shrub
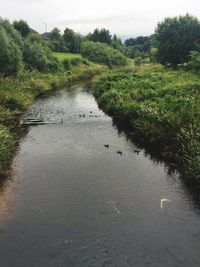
{"x": 138, "y": 61}
{"x": 76, "y": 61}
{"x": 153, "y": 54}
{"x": 38, "y": 56}
{"x": 103, "y": 54}
{"x": 66, "y": 64}
{"x": 194, "y": 62}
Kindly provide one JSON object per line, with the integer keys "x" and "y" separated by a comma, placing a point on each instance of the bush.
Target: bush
{"x": 194, "y": 62}
{"x": 103, "y": 54}
{"x": 76, "y": 61}
{"x": 138, "y": 61}
{"x": 153, "y": 54}
{"x": 38, "y": 56}
{"x": 66, "y": 64}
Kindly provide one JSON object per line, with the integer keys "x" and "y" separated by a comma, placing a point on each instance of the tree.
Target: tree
{"x": 140, "y": 40}
{"x": 12, "y": 33}
{"x": 22, "y": 27}
{"x": 176, "y": 37}
{"x": 57, "y": 41}
{"x": 101, "y": 36}
{"x": 37, "y": 55}
{"x": 72, "y": 41}
{"x": 117, "y": 43}
{"x": 10, "y": 53}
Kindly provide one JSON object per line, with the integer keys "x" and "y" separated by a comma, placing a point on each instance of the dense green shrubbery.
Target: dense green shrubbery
{"x": 22, "y": 27}
{"x": 10, "y": 49}
{"x": 176, "y": 38}
{"x": 103, "y": 54}
{"x": 193, "y": 63}
{"x": 31, "y": 51}
{"x": 38, "y": 56}
{"x": 162, "y": 105}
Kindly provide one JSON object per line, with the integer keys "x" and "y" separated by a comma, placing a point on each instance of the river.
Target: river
{"x": 82, "y": 194}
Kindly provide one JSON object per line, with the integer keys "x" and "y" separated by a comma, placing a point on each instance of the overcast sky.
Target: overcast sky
{"x": 124, "y": 17}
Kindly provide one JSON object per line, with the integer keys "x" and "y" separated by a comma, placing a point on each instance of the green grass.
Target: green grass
{"x": 162, "y": 106}
{"x": 62, "y": 56}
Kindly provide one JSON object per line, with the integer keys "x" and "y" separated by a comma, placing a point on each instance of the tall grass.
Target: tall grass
{"x": 161, "y": 105}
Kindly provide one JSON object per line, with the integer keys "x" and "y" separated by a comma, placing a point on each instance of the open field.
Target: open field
{"x": 62, "y": 56}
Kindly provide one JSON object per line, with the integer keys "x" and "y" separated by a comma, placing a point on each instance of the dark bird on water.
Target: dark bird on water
{"x": 119, "y": 152}
{"x": 137, "y": 151}
{"x": 107, "y": 145}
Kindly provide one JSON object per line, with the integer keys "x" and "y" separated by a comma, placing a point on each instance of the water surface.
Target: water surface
{"x": 71, "y": 201}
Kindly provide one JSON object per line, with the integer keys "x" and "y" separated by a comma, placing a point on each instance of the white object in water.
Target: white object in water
{"x": 163, "y": 201}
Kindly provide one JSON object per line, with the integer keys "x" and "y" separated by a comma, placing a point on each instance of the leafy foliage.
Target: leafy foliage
{"x": 161, "y": 105}
{"x": 194, "y": 62}
{"x": 10, "y": 53}
{"x": 22, "y": 27}
{"x": 101, "y": 36}
{"x": 57, "y": 42}
{"x": 103, "y": 54}
{"x": 72, "y": 41}
{"x": 176, "y": 37}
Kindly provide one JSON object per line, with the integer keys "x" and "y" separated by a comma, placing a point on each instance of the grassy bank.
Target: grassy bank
{"x": 62, "y": 56}
{"x": 162, "y": 106}
{"x": 18, "y": 93}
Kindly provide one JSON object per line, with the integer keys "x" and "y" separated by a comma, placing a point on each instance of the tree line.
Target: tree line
{"x": 175, "y": 42}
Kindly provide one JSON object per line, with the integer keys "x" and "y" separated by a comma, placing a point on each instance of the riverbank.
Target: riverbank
{"x": 18, "y": 93}
{"x": 162, "y": 106}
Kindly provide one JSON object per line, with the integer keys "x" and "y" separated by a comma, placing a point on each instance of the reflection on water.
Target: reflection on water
{"x": 82, "y": 193}
{"x": 150, "y": 151}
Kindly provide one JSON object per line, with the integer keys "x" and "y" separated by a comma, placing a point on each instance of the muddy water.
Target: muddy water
{"x": 71, "y": 201}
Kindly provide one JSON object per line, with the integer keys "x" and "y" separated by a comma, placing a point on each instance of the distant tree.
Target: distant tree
{"x": 22, "y": 27}
{"x": 100, "y": 35}
{"x": 136, "y": 41}
{"x": 103, "y": 54}
{"x": 138, "y": 47}
{"x": 117, "y": 43}
{"x": 132, "y": 52}
{"x": 57, "y": 41}
{"x": 176, "y": 37}
{"x": 72, "y": 41}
